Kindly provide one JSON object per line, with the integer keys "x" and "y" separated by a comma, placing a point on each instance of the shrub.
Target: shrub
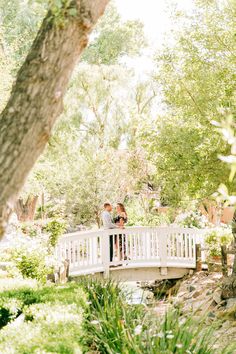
{"x": 192, "y": 219}
{"x": 31, "y": 257}
{"x": 217, "y": 238}
{"x": 31, "y": 265}
{"x": 31, "y": 229}
{"x": 55, "y": 228}
{"x": 149, "y": 220}
{"x": 9, "y": 310}
{"x": 140, "y": 216}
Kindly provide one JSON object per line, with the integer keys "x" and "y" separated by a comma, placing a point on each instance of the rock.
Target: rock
{"x": 64, "y": 271}
{"x": 196, "y": 294}
{"x": 209, "y": 292}
{"x": 182, "y": 293}
{"x": 191, "y": 288}
{"x": 214, "y": 267}
{"x": 61, "y": 275}
{"x": 148, "y": 296}
{"x": 217, "y": 296}
{"x": 187, "y": 297}
{"x": 211, "y": 315}
{"x": 229, "y": 288}
{"x": 231, "y": 303}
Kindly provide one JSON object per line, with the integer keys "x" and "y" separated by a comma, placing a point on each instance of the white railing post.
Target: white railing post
{"x": 163, "y": 252}
{"x": 105, "y": 250}
{"x": 94, "y": 250}
{"x": 148, "y": 244}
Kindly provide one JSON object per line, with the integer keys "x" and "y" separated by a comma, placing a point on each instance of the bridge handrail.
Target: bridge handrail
{"x": 138, "y": 246}
{"x": 91, "y": 233}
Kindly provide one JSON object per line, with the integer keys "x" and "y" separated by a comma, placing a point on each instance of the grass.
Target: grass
{"x": 94, "y": 316}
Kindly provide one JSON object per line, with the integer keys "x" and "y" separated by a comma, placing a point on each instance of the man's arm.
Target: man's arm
{"x": 107, "y": 222}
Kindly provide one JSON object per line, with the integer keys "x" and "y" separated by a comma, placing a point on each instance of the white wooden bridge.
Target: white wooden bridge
{"x": 139, "y": 253}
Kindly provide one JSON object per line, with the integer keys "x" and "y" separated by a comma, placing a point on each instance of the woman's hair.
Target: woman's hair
{"x": 122, "y": 207}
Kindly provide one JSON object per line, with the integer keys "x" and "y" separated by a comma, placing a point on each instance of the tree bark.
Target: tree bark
{"x": 229, "y": 283}
{"x": 25, "y": 211}
{"x": 36, "y": 98}
{"x": 234, "y": 245}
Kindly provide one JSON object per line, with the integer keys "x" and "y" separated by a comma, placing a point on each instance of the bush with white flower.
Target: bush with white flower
{"x": 29, "y": 257}
{"x": 192, "y": 219}
{"x": 218, "y": 237}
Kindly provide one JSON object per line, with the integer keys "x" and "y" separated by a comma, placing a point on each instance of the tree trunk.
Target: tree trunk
{"x": 42, "y": 206}
{"x": 36, "y": 99}
{"x": 234, "y": 235}
{"x": 98, "y": 218}
{"x": 26, "y": 211}
{"x": 229, "y": 283}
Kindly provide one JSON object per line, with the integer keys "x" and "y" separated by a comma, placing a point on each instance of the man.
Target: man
{"x": 108, "y": 224}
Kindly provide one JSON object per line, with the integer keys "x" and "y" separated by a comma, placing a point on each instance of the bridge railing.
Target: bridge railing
{"x": 96, "y": 251}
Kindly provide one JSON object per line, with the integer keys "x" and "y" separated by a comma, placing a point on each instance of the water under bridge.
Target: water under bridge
{"x": 139, "y": 253}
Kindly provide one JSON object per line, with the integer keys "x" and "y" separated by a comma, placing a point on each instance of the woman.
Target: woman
{"x": 121, "y": 219}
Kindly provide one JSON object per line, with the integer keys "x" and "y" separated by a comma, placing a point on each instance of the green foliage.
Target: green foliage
{"x": 85, "y": 163}
{"x": 95, "y": 125}
{"x": 217, "y": 238}
{"x": 197, "y": 78}
{"x": 111, "y": 143}
{"x": 192, "y": 219}
{"x": 62, "y": 11}
{"x": 55, "y": 229}
{"x": 151, "y": 219}
{"x": 95, "y": 316}
{"x": 114, "y": 39}
{"x": 30, "y": 257}
{"x": 227, "y": 129}
{"x": 112, "y": 325}
{"x": 31, "y": 264}
{"x": 30, "y": 229}
{"x": 20, "y": 23}
{"x": 53, "y": 318}
{"x": 9, "y": 310}
{"x": 31, "y": 253}
{"x": 142, "y": 212}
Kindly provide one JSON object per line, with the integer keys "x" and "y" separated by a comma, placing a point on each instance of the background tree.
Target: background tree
{"x": 114, "y": 39}
{"x": 36, "y": 98}
{"x": 197, "y": 78}
{"x": 90, "y": 158}
{"x": 20, "y": 21}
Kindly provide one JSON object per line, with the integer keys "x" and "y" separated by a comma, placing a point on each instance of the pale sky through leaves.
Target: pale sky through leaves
{"x": 156, "y": 17}
{"x": 153, "y": 13}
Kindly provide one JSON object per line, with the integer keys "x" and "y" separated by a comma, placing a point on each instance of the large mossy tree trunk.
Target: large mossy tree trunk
{"x": 36, "y": 98}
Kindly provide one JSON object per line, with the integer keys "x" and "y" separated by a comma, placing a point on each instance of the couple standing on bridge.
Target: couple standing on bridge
{"x": 118, "y": 222}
